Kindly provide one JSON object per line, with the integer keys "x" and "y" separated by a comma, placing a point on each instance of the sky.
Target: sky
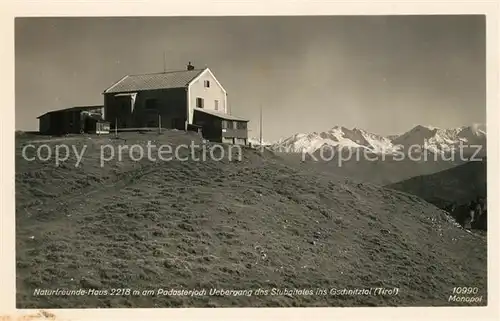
{"x": 384, "y": 74}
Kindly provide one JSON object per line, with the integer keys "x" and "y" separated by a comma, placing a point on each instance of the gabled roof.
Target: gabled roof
{"x": 164, "y": 80}
{"x": 219, "y": 115}
{"x": 76, "y": 108}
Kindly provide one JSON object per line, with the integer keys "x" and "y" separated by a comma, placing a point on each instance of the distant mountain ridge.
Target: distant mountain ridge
{"x": 256, "y": 142}
{"x": 431, "y": 138}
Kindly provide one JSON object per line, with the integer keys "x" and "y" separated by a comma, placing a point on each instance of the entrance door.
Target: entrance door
{"x": 124, "y": 114}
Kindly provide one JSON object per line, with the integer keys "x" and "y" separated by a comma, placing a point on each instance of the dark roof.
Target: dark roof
{"x": 219, "y": 115}
{"x": 164, "y": 80}
{"x": 76, "y": 108}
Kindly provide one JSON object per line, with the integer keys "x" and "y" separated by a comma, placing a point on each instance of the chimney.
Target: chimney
{"x": 189, "y": 66}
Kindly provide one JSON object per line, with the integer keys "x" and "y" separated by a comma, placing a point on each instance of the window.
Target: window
{"x": 227, "y": 124}
{"x": 207, "y": 83}
{"x": 199, "y": 102}
{"x": 216, "y": 105}
{"x": 241, "y": 125}
{"x": 151, "y": 104}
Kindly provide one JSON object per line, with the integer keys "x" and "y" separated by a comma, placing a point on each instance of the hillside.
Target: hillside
{"x": 459, "y": 184}
{"x": 456, "y": 186}
{"x": 262, "y": 222}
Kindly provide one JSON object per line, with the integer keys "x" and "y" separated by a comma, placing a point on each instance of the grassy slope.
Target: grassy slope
{"x": 258, "y": 223}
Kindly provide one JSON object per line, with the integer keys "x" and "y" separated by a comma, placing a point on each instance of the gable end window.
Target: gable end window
{"x": 207, "y": 83}
{"x": 216, "y": 105}
{"x": 199, "y": 102}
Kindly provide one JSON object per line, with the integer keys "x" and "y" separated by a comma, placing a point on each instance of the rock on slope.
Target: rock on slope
{"x": 249, "y": 224}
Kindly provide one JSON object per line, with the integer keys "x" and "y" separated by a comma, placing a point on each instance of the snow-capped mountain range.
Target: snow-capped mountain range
{"x": 431, "y": 138}
{"x": 256, "y": 142}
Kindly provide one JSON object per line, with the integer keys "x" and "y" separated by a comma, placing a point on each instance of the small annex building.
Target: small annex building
{"x": 79, "y": 119}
